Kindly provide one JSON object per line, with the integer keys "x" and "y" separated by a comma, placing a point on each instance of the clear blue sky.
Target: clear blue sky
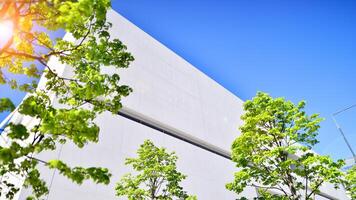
{"x": 297, "y": 49}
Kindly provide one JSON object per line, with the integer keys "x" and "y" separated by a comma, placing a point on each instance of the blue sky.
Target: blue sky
{"x": 297, "y": 49}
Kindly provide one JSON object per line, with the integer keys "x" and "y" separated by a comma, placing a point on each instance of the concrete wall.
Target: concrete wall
{"x": 207, "y": 173}
{"x": 173, "y": 93}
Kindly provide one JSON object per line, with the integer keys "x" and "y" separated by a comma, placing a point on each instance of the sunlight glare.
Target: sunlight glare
{"x": 6, "y": 31}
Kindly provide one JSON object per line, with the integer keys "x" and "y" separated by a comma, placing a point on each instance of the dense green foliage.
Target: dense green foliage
{"x": 27, "y": 53}
{"x": 6, "y": 105}
{"x": 351, "y": 182}
{"x": 157, "y": 176}
{"x": 273, "y": 151}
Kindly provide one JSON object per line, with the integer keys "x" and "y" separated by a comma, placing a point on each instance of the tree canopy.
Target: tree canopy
{"x": 157, "y": 176}
{"x": 82, "y": 96}
{"x": 273, "y": 152}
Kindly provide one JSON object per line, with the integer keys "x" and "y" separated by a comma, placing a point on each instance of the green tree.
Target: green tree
{"x": 351, "y": 182}
{"x": 273, "y": 151}
{"x": 27, "y": 53}
{"x": 157, "y": 176}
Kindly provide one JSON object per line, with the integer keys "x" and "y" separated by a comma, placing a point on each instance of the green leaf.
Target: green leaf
{"x": 6, "y": 105}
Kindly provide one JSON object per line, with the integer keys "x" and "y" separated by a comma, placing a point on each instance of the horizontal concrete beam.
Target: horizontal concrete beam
{"x": 168, "y": 130}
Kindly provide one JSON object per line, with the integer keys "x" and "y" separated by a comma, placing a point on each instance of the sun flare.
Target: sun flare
{"x": 6, "y": 31}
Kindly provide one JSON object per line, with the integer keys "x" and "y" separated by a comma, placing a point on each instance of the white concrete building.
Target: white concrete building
{"x": 173, "y": 104}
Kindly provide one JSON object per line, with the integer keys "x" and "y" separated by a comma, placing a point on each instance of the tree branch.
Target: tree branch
{"x": 37, "y": 159}
{"x": 315, "y": 189}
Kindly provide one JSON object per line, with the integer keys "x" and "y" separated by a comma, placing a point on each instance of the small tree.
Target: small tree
{"x": 273, "y": 151}
{"x": 157, "y": 176}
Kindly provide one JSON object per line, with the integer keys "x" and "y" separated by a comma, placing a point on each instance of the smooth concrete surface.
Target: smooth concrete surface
{"x": 172, "y": 91}
{"x": 120, "y": 138}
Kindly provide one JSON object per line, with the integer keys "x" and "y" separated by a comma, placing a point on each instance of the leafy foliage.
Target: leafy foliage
{"x": 157, "y": 176}
{"x": 351, "y": 182}
{"x": 82, "y": 96}
{"x": 274, "y": 150}
{"x": 6, "y": 105}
